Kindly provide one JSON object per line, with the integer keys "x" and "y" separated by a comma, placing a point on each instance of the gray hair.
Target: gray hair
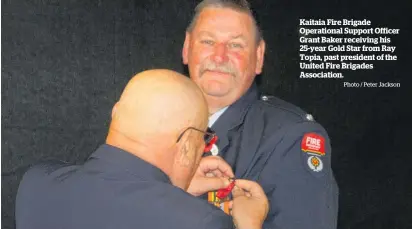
{"x": 240, "y": 6}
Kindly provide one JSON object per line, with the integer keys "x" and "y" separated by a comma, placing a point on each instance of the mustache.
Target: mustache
{"x": 226, "y": 68}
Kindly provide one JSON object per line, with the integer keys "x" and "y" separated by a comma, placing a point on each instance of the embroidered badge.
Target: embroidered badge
{"x": 313, "y": 144}
{"x": 315, "y": 163}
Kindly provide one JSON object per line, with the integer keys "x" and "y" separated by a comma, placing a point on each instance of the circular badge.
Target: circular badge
{"x": 214, "y": 150}
{"x": 315, "y": 163}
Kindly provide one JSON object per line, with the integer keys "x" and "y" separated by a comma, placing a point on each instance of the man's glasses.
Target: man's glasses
{"x": 209, "y": 137}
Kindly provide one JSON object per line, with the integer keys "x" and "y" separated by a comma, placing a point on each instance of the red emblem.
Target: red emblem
{"x": 313, "y": 143}
{"x": 222, "y": 193}
{"x": 209, "y": 145}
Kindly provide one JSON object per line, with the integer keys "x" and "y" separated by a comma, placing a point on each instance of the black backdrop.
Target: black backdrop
{"x": 64, "y": 64}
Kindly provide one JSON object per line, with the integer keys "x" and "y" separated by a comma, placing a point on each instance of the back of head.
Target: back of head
{"x": 154, "y": 108}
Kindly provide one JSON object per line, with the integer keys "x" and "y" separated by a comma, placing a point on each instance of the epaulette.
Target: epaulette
{"x": 274, "y": 101}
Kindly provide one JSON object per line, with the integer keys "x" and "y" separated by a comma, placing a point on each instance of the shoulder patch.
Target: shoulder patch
{"x": 313, "y": 152}
{"x": 315, "y": 163}
{"x": 313, "y": 143}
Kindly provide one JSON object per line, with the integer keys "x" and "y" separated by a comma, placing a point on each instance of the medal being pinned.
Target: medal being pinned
{"x": 210, "y": 140}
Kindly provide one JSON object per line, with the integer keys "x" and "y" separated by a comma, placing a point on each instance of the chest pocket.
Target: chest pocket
{"x": 243, "y": 150}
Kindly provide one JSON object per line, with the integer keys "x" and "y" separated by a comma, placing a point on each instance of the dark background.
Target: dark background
{"x": 65, "y": 63}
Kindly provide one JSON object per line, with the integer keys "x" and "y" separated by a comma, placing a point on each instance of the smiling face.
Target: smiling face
{"x": 222, "y": 54}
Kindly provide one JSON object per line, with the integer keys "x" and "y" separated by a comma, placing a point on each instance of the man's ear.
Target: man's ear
{"x": 185, "y": 50}
{"x": 183, "y": 151}
{"x": 260, "y": 56}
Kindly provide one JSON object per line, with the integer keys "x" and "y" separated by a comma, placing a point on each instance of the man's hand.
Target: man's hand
{"x": 250, "y": 205}
{"x": 212, "y": 174}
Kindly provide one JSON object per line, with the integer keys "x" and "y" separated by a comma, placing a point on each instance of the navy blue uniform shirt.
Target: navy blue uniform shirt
{"x": 112, "y": 190}
{"x": 281, "y": 147}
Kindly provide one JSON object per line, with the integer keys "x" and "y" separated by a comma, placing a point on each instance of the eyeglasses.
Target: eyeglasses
{"x": 209, "y": 137}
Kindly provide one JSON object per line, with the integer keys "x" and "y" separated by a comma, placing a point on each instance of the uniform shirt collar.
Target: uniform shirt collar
{"x": 236, "y": 112}
{"x": 238, "y": 106}
{"x": 216, "y": 115}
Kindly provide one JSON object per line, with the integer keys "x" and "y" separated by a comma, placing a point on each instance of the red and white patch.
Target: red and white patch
{"x": 313, "y": 143}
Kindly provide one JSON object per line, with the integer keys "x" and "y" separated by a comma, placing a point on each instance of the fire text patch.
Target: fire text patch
{"x": 313, "y": 143}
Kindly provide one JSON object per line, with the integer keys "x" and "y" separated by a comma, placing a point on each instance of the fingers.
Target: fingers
{"x": 210, "y": 174}
{"x": 236, "y": 191}
{"x": 215, "y": 173}
{"x": 216, "y": 165}
{"x": 200, "y": 185}
{"x": 250, "y": 204}
{"x": 248, "y": 188}
{"x": 215, "y": 183}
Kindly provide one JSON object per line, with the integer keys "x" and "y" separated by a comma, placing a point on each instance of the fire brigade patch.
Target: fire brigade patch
{"x": 313, "y": 144}
{"x": 315, "y": 163}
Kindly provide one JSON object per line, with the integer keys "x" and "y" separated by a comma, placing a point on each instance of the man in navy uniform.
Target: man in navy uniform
{"x": 263, "y": 138}
{"x": 147, "y": 174}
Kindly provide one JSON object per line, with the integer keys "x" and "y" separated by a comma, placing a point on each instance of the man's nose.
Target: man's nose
{"x": 220, "y": 53}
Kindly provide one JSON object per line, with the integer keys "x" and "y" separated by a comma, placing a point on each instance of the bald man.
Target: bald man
{"x": 147, "y": 174}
